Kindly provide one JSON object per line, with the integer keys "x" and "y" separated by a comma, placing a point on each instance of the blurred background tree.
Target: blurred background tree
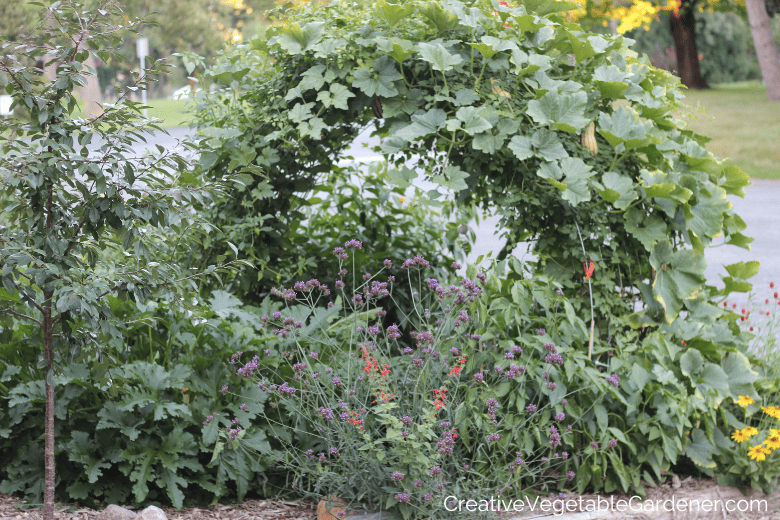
{"x": 684, "y": 20}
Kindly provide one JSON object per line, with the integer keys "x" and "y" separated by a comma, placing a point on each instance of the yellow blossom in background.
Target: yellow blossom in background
{"x": 739, "y": 436}
{"x": 773, "y": 443}
{"x": 639, "y": 14}
{"x": 772, "y": 411}
{"x": 745, "y": 401}
{"x": 773, "y": 432}
{"x": 403, "y": 199}
{"x": 758, "y": 452}
{"x": 749, "y": 431}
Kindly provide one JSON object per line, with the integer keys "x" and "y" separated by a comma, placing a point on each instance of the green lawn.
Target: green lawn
{"x": 171, "y": 111}
{"x": 743, "y": 124}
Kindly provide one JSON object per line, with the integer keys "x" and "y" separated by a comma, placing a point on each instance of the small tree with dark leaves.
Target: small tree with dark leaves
{"x": 85, "y": 216}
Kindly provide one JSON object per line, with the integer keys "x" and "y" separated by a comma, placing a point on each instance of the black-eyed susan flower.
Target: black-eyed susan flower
{"x": 745, "y": 401}
{"x": 773, "y": 442}
{"x": 749, "y": 431}
{"x": 772, "y": 411}
{"x": 739, "y": 436}
{"x": 758, "y": 452}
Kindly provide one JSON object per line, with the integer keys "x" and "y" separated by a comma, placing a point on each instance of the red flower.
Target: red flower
{"x": 771, "y": 285}
{"x": 589, "y": 268}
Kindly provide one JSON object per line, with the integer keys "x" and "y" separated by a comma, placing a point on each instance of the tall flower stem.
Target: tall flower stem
{"x": 590, "y": 293}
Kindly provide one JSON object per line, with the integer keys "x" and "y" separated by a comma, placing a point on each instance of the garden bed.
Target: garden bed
{"x": 688, "y": 489}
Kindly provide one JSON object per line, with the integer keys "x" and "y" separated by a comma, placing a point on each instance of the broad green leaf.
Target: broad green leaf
{"x": 453, "y": 178}
{"x": 735, "y": 181}
{"x": 379, "y": 80}
{"x": 296, "y": 39}
{"x": 744, "y": 270}
{"x": 400, "y": 51}
{"x": 473, "y": 122}
{"x": 439, "y": 57}
{"x": 423, "y": 124}
{"x": 658, "y": 185}
{"x": 402, "y": 178}
{"x": 624, "y": 126}
{"x": 443, "y": 20}
{"x": 82, "y": 449}
{"x": 740, "y": 375}
{"x": 465, "y": 96}
{"x": 619, "y": 190}
{"x": 300, "y": 112}
{"x": 679, "y": 276}
{"x": 392, "y": 13}
{"x": 708, "y": 213}
{"x": 610, "y": 81}
{"x": 314, "y": 78}
{"x": 648, "y": 229}
{"x": 565, "y": 111}
{"x": 700, "y": 450}
{"x": 336, "y": 96}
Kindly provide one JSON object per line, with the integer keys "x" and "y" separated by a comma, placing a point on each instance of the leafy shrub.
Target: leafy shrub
{"x": 486, "y": 102}
{"x": 282, "y": 220}
{"x": 147, "y": 443}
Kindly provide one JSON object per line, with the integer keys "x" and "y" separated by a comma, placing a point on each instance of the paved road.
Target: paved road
{"x": 760, "y": 209}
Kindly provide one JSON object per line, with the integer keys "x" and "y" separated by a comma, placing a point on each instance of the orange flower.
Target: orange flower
{"x": 589, "y": 268}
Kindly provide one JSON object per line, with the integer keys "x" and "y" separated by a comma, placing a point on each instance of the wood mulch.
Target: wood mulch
{"x": 11, "y": 508}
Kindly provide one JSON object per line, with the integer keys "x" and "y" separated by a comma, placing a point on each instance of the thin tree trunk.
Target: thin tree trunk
{"x": 766, "y": 48}
{"x": 48, "y": 353}
{"x": 682, "y": 23}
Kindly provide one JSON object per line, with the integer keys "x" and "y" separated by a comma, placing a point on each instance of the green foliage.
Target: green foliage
{"x": 147, "y": 443}
{"x": 485, "y": 102}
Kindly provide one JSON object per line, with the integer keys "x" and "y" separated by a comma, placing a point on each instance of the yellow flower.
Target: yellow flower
{"x": 774, "y": 433}
{"x": 744, "y": 401}
{"x": 749, "y": 431}
{"x": 403, "y": 199}
{"x": 773, "y": 442}
{"x": 772, "y": 411}
{"x": 758, "y": 452}
{"x": 739, "y": 436}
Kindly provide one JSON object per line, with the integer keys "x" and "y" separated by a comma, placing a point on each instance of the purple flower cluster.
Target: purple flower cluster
{"x": 406, "y": 420}
{"x": 210, "y": 418}
{"x": 393, "y": 332}
{"x": 339, "y": 252}
{"x": 248, "y": 369}
{"x": 404, "y": 497}
{"x": 514, "y": 371}
{"x": 555, "y": 437}
{"x": 286, "y": 389}
{"x": 614, "y": 380}
{"x": 446, "y": 444}
{"x": 492, "y": 408}
{"x": 353, "y": 244}
{"x": 612, "y": 443}
{"x": 326, "y": 413}
{"x": 424, "y": 337}
{"x": 560, "y": 416}
{"x": 397, "y": 476}
{"x": 554, "y": 359}
{"x": 531, "y": 408}
{"x": 436, "y": 470}
{"x": 493, "y": 437}
{"x": 416, "y": 261}
{"x": 550, "y": 347}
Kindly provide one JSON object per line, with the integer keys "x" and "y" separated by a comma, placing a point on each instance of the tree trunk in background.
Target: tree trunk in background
{"x": 766, "y": 48}
{"x": 683, "y": 26}
{"x": 90, "y": 93}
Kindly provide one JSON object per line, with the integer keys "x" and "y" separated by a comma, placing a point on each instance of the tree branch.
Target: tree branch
{"x": 10, "y": 311}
